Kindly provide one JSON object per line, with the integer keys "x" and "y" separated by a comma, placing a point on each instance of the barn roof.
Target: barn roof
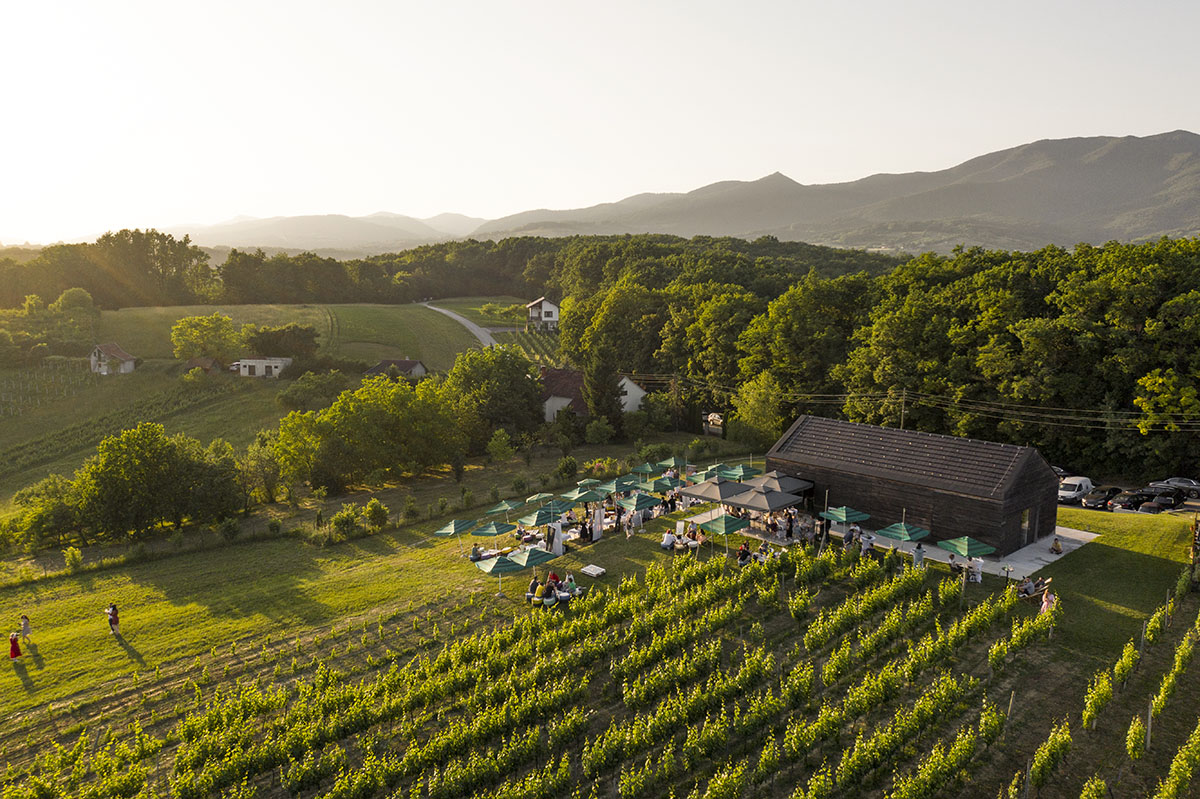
{"x": 566, "y": 383}
{"x": 947, "y": 463}
{"x": 405, "y": 365}
{"x": 115, "y": 351}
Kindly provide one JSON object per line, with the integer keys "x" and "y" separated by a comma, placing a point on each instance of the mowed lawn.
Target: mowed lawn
{"x": 1111, "y": 585}
{"x": 182, "y": 606}
{"x": 363, "y": 332}
{"x": 472, "y": 309}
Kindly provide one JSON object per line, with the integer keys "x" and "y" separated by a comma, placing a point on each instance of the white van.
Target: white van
{"x": 1073, "y": 489}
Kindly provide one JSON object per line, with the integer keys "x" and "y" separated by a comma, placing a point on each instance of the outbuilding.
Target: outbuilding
{"x": 1001, "y": 494}
{"x": 260, "y": 366}
{"x": 110, "y": 359}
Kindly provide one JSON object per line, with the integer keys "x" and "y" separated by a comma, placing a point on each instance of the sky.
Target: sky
{"x": 158, "y": 114}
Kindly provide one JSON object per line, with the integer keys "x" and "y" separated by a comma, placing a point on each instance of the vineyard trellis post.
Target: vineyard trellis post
{"x": 1149, "y": 722}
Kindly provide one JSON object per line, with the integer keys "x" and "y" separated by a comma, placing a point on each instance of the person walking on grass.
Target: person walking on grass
{"x": 14, "y": 646}
{"x": 114, "y": 621}
{"x": 26, "y": 628}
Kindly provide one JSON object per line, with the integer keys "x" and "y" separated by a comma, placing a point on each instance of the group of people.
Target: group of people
{"x": 692, "y": 538}
{"x": 14, "y": 640}
{"x": 553, "y": 590}
{"x": 973, "y": 567}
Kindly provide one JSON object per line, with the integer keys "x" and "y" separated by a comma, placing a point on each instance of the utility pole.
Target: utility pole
{"x": 903, "y": 403}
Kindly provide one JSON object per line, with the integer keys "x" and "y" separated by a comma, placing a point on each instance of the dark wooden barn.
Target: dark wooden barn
{"x": 1001, "y": 494}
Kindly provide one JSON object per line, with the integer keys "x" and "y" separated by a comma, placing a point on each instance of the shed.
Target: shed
{"x": 542, "y": 315}
{"x": 261, "y": 366}
{"x": 110, "y": 359}
{"x": 405, "y": 366}
{"x": 1001, "y": 494}
{"x": 562, "y": 389}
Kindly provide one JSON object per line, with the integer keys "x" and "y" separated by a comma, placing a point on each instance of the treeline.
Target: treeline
{"x": 1088, "y": 354}
{"x": 141, "y": 268}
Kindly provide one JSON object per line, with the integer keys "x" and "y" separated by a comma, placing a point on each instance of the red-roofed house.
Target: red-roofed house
{"x": 110, "y": 359}
{"x": 563, "y": 388}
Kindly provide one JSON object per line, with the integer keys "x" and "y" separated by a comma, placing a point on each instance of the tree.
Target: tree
{"x": 500, "y": 448}
{"x": 376, "y": 513}
{"x": 290, "y": 340}
{"x": 210, "y": 336}
{"x": 756, "y": 417}
{"x": 491, "y": 388}
{"x": 602, "y": 387}
{"x": 75, "y": 303}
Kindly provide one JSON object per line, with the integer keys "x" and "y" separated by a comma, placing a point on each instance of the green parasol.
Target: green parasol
{"x": 742, "y": 471}
{"x": 456, "y": 528}
{"x": 844, "y": 514}
{"x": 534, "y": 556}
{"x": 559, "y": 506}
{"x": 967, "y": 547}
{"x": 638, "y": 502}
{"x": 903, "y": 531}
{"x": 538, "y": 518}
{"x": 493, "y": 529}
{"x": 579, "y": 496}
{"x": 674, "y": 462}
{"x": 499, "y": 567}
{"x": 504, "y": 506}
{"x": 724, "y": 525}
{"x": 542, "y": 497}
{"x": 646, "y": 468}
{"x": 588, "y": 482}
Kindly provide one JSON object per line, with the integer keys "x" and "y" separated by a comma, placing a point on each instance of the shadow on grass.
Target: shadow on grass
{"x": 1107, "y": 592}
{"x": 38, "y": 661}
{"x": 23, "y": 675}
{"x": 130, "y": 651}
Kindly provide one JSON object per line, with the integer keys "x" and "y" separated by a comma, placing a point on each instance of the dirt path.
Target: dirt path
{"x": 485, "y": 338}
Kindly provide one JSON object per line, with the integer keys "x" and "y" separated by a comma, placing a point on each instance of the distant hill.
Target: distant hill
{"x": 1061, "y": 191}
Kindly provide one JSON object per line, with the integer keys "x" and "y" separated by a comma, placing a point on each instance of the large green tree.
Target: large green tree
{"x": 212, "y": 336}
{"x": 492, "y": 388}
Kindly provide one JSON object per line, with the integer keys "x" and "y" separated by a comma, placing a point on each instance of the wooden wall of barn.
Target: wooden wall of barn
{"x": 947, "y": 514}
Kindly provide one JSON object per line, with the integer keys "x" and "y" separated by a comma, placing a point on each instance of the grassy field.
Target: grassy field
{"x": 364, "y": 332}
{"x": 472, "y": 309}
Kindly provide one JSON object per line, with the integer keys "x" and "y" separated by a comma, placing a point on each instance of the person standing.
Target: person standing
{"x": 26, "y": 628}
{"x": 918, "y": 556}
{"x": 14, "y": 646}
{"x": 114, "y": 621}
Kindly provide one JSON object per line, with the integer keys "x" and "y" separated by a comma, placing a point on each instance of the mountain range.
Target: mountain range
{"x": 1059, "y": 191}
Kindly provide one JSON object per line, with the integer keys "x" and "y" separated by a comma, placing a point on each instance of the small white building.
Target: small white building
{"x": 631, "y": 395}
{"x": 404, "y": 366}
{"x": 259, "y": 366}
{"x": 110, "y": 359}
{"x": 543, "y": 315}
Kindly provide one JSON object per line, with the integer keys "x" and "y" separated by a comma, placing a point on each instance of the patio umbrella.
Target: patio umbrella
{"x": 538, "y": 517}
{"x": 499, "y": 567}
{"x": 717, "y": 489}
{"x": 618, "y": 485}
{"x": 534, "y": 556}
{"x": 777, "y": 481}
{"x": 742, "y": 471}
{"x": 587, "y": 496}
{"x": 455, "y": 528}
{"x": 558, "y": 506}
{"x": 588, "y": 482}
{"x": 494, "y": 529}
{"x": 967, "y": 547}
{"x": 903, "y": 531}
{"x": 724, "y": 525}
{"x": 638, "y": 502}
{"x": 576, "y": 494}
{"x": 844, "y": 514}
{"x": 760, "y": 499}
{"x": 673, "y": 462}
{"x": 659, "y": 485}
{"x": 542, "y": 497}
{"x": 646, "y": 468}
{"x": 504, "y": 506}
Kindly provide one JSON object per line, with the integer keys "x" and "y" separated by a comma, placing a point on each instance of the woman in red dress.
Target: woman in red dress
{"x": 14, "y": 646}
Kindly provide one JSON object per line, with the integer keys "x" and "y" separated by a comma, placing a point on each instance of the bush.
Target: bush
{"x": 599, "y": 431}
{"x": 73, "y": 559}
{"x": 702, "y": 448}
{"x": 347, "y": 522}
{"x": 376, "y": 514}
{"x": 637, "y": 424}
{"x": 654, "y": 453}
{"x": 520, "y": 485}
{"x": 494, "y": 494}
{"x": 411, "y": 511}
{"x": 274, "y": 526}
{"x": 468, "y": 499}
{"x": 443, "y": 506}
{"x": 567, "y": 467}
{"x": 1135, "y": 739}
{"x": 229, "y": 528}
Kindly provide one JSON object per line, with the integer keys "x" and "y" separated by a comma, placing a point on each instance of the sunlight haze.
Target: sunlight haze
{"x": 140, "y": 114}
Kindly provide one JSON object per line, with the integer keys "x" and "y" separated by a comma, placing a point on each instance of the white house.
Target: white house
{"x": 258, "y": 366}
{"x": 562, "y": 389}
{"x": 405, "y": 366}
{"x": 543, "y": 315}
{"x": 110, "y": 359}
{"x": 631, "y": 395}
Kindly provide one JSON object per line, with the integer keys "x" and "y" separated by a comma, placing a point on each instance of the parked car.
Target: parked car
{"x": 1098, "y": 497}
{"x": 1128, "y": 500}
{"x": 1166, "y": 497}
{"x": 1150, "y": 507}
{"x": 1073, "y": 489}
{"x": 1185, "y": 484}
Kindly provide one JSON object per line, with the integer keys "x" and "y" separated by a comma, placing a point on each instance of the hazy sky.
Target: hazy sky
{"x": 152, "y": 114}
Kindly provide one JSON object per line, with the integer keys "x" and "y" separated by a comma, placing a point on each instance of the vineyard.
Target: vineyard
{"x": 807, "y": 676}
{"x": 24, "y": 389}
{"x": 539, "y": 346}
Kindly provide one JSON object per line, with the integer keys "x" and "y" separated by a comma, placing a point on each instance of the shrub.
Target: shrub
{"x": 346, "y": 523}
{"x": 274, "y": 526}
{"x": 1135, "y": 739}
{"x": 654, "y": 453}
{"x": 443, "y": 505}
{"x": 567, "y": 467}
{"x": 229, "y": 528}
{"x": 520, "y": 485}
{"x": 701, "y": 448}
{"x": 73, "y": 559}
{"x": 411, "y": 512}
{"x": 494, "y": 494}
{"x": 376, "y": 514}
{"x": 468, "y": 499}
{"x": 599, "y": 431}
